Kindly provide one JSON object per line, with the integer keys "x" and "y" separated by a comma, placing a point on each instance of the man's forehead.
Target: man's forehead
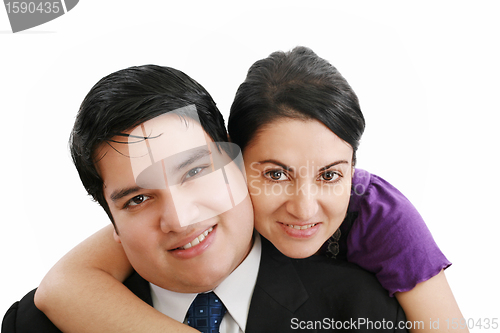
{"x": 172, "y": 132}
{"x": 167, "y": 135}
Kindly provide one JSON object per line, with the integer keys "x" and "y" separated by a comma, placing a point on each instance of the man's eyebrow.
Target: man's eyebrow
{"x": 333, "y": 164}
{"x": 284, "y": 166}
{"x": 118, "y": 194}
{"x": 193, "y": 157}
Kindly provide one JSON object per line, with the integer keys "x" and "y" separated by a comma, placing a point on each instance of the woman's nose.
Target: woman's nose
{"x": 303, "y": 203}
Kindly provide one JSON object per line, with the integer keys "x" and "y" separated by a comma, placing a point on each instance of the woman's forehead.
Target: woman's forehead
{"x": 297, "y": 138}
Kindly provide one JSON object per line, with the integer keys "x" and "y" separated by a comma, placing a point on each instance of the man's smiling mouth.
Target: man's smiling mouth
{"x": 197, "y": 240}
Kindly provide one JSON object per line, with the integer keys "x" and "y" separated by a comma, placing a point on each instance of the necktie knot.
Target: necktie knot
{"x": 206, "y": 312}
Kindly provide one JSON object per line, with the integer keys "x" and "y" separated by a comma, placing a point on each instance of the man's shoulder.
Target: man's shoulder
{"x": 316, "y": 290}
{"x": 330, "y": 280}
{"x": 335, "y": 271}
{"x": 320, "y": 269}
{"x": 24, "y": 317}
{"x": 325, "y": 280}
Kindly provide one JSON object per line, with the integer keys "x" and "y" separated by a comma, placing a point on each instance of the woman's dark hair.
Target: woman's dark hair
{"x": 127, "y": 98}
{"x": 300, "y": 85}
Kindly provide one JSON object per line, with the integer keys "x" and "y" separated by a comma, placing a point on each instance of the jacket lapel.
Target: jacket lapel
{"x": 278, "y": 292}
{"x": 139, "y": 287}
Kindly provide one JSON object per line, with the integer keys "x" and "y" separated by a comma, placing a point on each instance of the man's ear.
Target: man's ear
{"x": 116, "y": 236}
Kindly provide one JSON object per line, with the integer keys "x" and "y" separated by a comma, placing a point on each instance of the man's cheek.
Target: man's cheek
{"x": 201, "y": 198}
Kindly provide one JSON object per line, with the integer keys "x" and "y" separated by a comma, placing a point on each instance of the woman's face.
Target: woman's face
{"x": 299, "y": 178}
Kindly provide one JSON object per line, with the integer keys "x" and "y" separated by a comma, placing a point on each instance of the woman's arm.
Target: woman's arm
{"x": 390, "y": 239}
{"x": 432, "y": 304}
{"x": 83, "y": 292}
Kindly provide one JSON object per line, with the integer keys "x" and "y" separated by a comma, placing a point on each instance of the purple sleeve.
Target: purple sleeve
{"x": 389, "y": 237}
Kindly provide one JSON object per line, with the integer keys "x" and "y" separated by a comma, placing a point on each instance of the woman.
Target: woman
{"x": 298, "y": 124}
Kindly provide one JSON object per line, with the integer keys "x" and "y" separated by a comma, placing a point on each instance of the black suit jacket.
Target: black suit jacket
{"x": 316, "y": 294}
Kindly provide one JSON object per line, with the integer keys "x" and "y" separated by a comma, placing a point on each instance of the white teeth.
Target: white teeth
{"x": 298, "y": 227}
{"x": 197, "y": 240}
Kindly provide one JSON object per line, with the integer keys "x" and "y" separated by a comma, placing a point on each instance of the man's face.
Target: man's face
{"x": 166, "y": 216}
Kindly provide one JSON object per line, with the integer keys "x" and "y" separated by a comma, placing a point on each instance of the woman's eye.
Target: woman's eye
{"x": 276, "y": 175}
{"x": 137, "y": 200}
{"x": 329, "y": 176}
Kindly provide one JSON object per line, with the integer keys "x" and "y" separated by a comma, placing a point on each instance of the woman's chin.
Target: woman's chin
{"x": 297, "y": 251}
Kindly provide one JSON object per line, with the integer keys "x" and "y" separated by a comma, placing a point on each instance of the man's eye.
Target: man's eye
{"x": 329, "y": 176}
{"x": 275, "y": 175}
{"x": 194, "y": 172}
{"x": 137, "y": 200}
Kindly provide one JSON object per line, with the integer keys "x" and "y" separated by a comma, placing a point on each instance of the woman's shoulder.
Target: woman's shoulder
{"x": 388, "y": 236}
{"x": 373, "y": 195}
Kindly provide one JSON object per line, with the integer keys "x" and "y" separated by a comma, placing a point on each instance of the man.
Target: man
{"x": 149, "y": 146}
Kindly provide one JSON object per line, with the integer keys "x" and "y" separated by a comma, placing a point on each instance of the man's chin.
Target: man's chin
{"x": 195, "y": 281}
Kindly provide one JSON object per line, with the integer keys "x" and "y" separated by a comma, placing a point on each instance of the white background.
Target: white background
{"x": 427, "y": 75}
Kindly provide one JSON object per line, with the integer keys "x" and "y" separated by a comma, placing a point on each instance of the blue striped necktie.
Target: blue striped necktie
{"x": 206, "y": 312}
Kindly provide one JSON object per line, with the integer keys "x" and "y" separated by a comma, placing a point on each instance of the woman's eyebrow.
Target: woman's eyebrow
{"x": 284, "y": 166}
{"x": 333, "y": 164}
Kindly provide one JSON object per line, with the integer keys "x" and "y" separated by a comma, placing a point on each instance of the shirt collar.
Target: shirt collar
{"x": 174, "y": 305}
{"x": 235, "y": 291}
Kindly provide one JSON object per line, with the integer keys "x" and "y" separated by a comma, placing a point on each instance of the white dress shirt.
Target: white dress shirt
{"x": 235, "y": 292}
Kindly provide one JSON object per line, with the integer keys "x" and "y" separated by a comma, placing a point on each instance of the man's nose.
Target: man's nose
{"x": 178, "y": 212}
{"x": 174, "y": 216}
{"x": 303, "y": 203}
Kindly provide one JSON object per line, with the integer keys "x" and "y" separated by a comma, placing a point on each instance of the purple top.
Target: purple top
{"x": 388, "y": 236}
